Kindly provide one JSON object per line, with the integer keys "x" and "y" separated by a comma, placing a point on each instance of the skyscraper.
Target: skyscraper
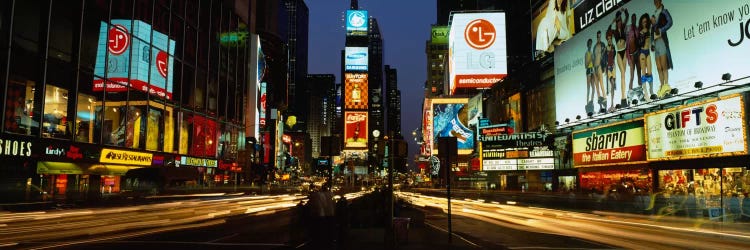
{"x": 320, "y": 112}
{"x": 297, "y": 28}
{"x": 375, "y": 49}
{"x": 393, "y": 99}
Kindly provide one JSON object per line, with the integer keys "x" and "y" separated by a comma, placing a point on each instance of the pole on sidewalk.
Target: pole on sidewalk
{"x": 448, "y": 151}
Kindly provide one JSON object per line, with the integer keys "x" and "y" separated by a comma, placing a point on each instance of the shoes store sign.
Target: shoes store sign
{"x": 15, "y": 147}
{"x": 619, "y": 143}
{"x": 707, "y": 129}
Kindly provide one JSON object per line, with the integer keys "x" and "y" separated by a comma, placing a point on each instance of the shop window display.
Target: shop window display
{"x": 55, "y": 120}
{"x": 718, "y": 193}
{"x": 85, "y": 117}
{"x": 19, "y": 107}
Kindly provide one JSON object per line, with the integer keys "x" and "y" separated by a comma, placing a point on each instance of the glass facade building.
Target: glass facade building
{"x": 98, "y": 87}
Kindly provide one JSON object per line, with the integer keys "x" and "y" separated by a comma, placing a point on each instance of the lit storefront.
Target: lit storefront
{"x": 520, "y": 161}
{"x": 700, "y": 150}
{"x": 116, "y": 88}
{"x": 612, "y": 158}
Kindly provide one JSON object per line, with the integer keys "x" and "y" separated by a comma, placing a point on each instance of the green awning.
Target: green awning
{"x": 48, "y": 167}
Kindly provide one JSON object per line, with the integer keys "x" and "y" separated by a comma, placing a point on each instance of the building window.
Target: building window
{"x": 85, "y": 117}
{"x": 19, "y": 107}
{"x": 55, "y": 120}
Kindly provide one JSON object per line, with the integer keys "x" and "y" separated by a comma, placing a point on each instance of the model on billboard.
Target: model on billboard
{"x": 600, "y": 64}
{"x": 644, "y": 42}
{"x": 633, "y": 53}
{"x": 591, "y": 88}
{"x": 610, "y": 74}
{"x": 620, "y": 36}
{"x": 553, "y": 28}
{"x": 662, "y": 21}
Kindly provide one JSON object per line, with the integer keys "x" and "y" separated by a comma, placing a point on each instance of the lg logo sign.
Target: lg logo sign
{"x": 119, "y": 40}
{"x": 480, "y": 34}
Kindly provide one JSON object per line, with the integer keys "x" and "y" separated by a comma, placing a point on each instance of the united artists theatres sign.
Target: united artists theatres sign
{"x": 619, "y": 143}
{"x": 518, "y": 140}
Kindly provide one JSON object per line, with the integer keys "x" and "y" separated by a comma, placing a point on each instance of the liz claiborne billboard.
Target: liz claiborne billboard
{"x": 650, "y": 47}
{"x": 477, "y": 50}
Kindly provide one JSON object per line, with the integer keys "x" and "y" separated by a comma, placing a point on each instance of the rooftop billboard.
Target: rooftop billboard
{"x": 661, "y": 46}
{"x": 477, "y": 51}
{"x": 357, "y": 22}
{"x": 556, "y": 21}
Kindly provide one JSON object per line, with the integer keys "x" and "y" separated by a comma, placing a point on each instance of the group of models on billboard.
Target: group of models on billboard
{"x": 632, "y": 43}
{"x": 636, "y": 54}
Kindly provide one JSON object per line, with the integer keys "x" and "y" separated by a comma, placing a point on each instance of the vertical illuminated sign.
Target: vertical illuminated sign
{"x": 355, "y": 58}
{"x": 355, "y": 129}
{"x": 355, "y": 91}
{"x": 135, "y": 56}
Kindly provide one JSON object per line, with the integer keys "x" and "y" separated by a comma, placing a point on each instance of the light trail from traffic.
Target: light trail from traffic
{"x": 52, "y": 229}
{"x": 621, "y": 230}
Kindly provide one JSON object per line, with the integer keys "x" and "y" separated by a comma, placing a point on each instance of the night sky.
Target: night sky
{"x": 404, "y": 25}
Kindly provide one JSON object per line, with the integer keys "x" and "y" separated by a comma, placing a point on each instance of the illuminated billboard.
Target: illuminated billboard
{"x": 450, "y": 118}
{"x": 357, "y": 22}
{"x": 135, "y": 57}
{"x": 355, "y": 129}
{"x": 613, "y": 144}
{"x": 427, "y": 125}
{"x": 711, "y": 128}
{"x": 355, "y": 91}
{"x": 355, "y": 58}
{"x": 477, "y": 50}
{"x": 439, "y": 35}
{"x": 692, "y": 41}
{"x": 556, "y": 21}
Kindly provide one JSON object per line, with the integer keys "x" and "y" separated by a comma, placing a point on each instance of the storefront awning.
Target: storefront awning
{"x": 101, "y": 169}
{"x": 49, "y": 167}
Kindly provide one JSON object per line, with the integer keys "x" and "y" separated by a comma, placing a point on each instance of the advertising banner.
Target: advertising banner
{"x": 355, "y": 91}
{"x": 262, "y": 104}
{"x": 670, "y": 45}
{"x": 357, "y": 23}
{"x": 439, "y": 35}
{"x": 125, "y": 157}
{"x": 427, "y": 126}
{"x": 355, "y": 58}
{"x": 355, "y": 129}
{"x": 450, "y": 118}
{"x": 148, "y": 69}
{"x": 706, "y": 129}
{"x": 620, "y": 143}
{"x": 477, "y": 50}
{"x": 475, "y": 110}
{"x": 556, "y": 21}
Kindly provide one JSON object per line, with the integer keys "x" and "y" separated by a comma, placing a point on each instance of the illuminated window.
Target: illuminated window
{"x": 55, "y": 120}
